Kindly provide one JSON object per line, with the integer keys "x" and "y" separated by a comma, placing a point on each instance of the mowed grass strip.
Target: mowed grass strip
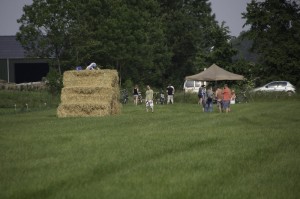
{"x": 176, "y": 152}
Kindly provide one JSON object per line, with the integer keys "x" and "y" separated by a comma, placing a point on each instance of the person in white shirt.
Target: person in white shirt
{"x": 92, "y": 66}
{"x": 149, "y": 99}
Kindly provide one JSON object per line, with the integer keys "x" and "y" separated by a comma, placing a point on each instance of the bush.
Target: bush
{"x": 271, "y": 96}
{"x": 54, "y": 82}
{"x": 181, "y": 97}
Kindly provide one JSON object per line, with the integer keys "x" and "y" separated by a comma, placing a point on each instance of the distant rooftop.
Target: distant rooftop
{"x": 10, "y": 48}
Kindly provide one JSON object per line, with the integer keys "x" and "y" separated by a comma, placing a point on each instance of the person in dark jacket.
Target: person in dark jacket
{"x": 170, "y": 92}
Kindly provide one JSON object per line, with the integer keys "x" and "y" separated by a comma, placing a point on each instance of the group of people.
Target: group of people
{"x": 149, "y": 96}
{"x": 224, "y": 98}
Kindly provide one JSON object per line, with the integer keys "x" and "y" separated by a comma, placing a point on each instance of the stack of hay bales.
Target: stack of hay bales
{"x": 89, "y": 93}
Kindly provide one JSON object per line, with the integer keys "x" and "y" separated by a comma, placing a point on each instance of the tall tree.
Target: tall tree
{"x": 45, "y": 28}
{"x": 222, "y": 50}
{"x": 275, "y": 30}
{"x": 191, "y": 32}
{"x": 121, "y": 34}
{"x": 147, "y": 41}
{"x": 131, "y": 37}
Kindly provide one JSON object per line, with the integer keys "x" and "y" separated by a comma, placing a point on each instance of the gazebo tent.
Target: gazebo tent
{"x": 214, "y": 73}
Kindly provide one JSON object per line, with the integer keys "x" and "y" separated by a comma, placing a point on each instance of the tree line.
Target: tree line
{"x": 159, "y": 41}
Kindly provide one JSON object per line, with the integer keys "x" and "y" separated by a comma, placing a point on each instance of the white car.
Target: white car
{"x": 191, "y": 86}
{"x": 277, "y": 86}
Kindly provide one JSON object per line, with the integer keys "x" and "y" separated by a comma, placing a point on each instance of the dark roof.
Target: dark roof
{"x": 10, "y": 48}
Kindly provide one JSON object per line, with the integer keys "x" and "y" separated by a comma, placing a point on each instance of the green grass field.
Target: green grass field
{"x": 175, "y": 152}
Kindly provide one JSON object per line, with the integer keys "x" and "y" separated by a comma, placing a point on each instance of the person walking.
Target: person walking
{"x": 170, "y": 92}
{"x": 135, "y": 94}
{"x": 226, "y": 98}
{"x": 149, "y": 99}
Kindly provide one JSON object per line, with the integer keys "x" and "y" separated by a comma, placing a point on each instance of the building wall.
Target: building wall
{"x": 3, "y": 69}
{"x": 10, "y": 76}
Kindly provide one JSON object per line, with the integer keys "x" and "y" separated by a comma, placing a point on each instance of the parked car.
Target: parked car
{"x": 277, "y": 86}
{"x": 191, "y": 86}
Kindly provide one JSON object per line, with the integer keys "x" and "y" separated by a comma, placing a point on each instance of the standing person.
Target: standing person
{"x": 219, "y": 97}
{"x": 170, "y": 91}
{"x": 92, "y": 66}
{"x": 226, "y": 98}
{"x": 149, "y": 99}
{"x": 135, "y": 94}
{"x": 162, "y": 97}
{"x": 232, "y": 99}
{"x": 200, "y": 94}
{"x": 209, "y": 100}
{"x": 203, "y": 98}
{"x": 233, "y": 96}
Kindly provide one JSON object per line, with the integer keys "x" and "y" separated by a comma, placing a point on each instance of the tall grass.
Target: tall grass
{"x": 22, "y": 101}
{"x": 176, "y": 152}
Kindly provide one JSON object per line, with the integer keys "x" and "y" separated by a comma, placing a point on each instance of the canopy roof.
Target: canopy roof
{"x": 214, "y": 73}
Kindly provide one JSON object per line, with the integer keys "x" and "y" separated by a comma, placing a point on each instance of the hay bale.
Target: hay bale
{"x": 105, "y": 78}
{"x": 87, "y": 109}
{"x": 89, "y": 93}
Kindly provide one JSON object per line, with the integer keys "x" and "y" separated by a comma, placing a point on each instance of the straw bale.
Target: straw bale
{"x": 84, "y": 90}
{"x": 85, "y": 110}
{"x": 89, "y": 93}
{"x": 105, "y": 78}
{"x": 116, "y": 107}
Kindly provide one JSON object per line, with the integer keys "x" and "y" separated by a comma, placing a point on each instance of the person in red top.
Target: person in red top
{"x": 226, "y": 98}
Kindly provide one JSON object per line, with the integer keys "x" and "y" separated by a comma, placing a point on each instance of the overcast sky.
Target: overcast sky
{"x": 225, "y": 10}
{"x": 230, "y": 12}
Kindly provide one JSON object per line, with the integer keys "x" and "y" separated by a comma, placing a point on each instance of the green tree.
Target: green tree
{"x": 45, "y": 28}
{"x": 121, "y": 34}
{"x": 222, "y": 51}
{"x": 147, "y": 41}
{"x": 192, "y": 32}
{"x": 274, "y": 29}
{"x": 132, "y": 39}
{"x": 54, "y": 81}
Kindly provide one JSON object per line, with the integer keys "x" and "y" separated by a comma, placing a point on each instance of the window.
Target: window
{"x": 197, "y": 83}
{"x": 282, "y": 84}
{"x": 189, "y": 83}
{"x": 272, "y": 85}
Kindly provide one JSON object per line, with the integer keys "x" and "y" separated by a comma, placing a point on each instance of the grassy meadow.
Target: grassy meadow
{"x": 176, "y": 152}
